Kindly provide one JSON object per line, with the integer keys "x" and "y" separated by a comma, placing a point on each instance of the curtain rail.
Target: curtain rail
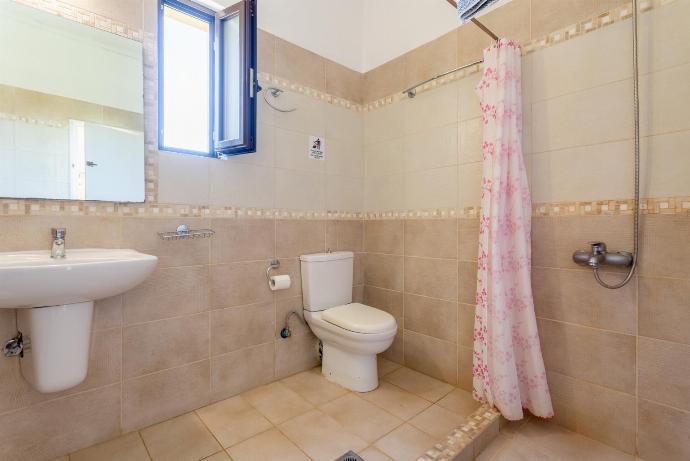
{"x": 412, "y": 91}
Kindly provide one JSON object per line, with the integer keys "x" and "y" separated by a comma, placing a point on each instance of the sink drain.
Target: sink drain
{"x": 350, "y": 456}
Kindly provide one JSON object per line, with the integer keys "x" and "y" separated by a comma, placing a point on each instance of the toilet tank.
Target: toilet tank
{"x": 326, "y": 279}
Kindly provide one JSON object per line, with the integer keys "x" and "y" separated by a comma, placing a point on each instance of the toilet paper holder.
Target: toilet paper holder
{"x": 275, "y": 264}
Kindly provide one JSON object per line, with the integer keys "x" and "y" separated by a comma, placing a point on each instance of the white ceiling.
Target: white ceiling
{"x": 359, "y": 34}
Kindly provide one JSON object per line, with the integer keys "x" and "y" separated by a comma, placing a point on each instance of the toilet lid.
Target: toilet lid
{"x": 359, "y": 318}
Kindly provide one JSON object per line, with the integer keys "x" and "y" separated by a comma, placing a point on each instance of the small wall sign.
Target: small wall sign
{"x": 317, "y": 148}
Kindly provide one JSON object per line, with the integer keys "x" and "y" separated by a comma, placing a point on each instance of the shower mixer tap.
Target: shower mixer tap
{"x": 599, "y": 256}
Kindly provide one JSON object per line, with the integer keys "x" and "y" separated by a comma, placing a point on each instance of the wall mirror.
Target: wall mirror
{"x": 71, "y": 109}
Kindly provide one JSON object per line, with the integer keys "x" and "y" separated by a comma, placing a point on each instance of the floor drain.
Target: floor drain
{"x": 350, "y": 456}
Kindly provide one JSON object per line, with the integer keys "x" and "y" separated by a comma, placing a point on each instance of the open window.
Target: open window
{"x": 207, "y": 78}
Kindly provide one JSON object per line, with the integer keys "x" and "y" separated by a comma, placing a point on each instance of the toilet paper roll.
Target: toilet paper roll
{"x": 280, "y": 282}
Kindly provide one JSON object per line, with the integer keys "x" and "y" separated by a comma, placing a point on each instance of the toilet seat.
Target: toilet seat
{"x": 359, "y": 318}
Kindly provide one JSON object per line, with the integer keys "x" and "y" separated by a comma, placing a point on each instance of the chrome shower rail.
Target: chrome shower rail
{"x": 411, "y": 92}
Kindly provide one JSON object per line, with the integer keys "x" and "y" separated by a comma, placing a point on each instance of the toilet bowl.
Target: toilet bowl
{"x": 352, "y": 334}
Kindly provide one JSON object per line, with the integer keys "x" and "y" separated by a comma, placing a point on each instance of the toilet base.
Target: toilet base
{"x": 356, "y": 372}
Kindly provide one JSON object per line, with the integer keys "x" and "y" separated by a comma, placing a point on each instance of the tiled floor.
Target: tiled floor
{"x": 538, "y": 440}
{"x": 304, "y": 417}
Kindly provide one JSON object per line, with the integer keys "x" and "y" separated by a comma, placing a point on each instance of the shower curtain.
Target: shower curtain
{"x": 508, "y": 369}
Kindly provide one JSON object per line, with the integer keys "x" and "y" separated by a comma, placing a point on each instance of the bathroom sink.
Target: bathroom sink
{"x": 34, "y": 279}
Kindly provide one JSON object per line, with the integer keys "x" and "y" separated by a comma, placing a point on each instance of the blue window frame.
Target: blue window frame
{"x": 207, "y": 78}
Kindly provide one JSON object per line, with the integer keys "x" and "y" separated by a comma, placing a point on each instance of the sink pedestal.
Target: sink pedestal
{"x": 60, "y": 338}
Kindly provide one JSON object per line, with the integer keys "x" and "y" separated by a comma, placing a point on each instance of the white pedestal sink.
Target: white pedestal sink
{"x": 54, "y": 298}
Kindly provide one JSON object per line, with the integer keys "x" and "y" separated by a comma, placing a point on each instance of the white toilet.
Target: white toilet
{"x": 352, "y": 333}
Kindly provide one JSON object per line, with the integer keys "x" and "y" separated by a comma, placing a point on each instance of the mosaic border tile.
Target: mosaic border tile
{"x": 86, "y": 17}
{"x": 36, "y": 207}
{"x": 462, "y": 437}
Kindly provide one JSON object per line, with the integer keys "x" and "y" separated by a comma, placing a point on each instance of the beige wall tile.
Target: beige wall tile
{"x": 387, "y": 300}
{"x": 433, "y": 238}
{"x": 467, "y": 282}
{"x": 588, "y": 61}
{"x": 466, "y": 313}
{"x": 436, "y": 278}
{"x": 243, "y": 185}
{"x": 383, "y": 271}
{"x": 663, "y": 432}
{"x": 266, "y": 51}
{"x": 663, "y": 308}
{"x": 666, "y": 99}
{"x": 154, "y": 346}
{"x": 667, "y": 167}
{"x": 470, "y": 139}
{"x": 159, "y": 396}
{"x": 168, "y": 293}
{"x": 384, "y": 193}
{"x": 431, "y": 356}
{"x": 62, "y": 425}
{"x": 468, "y": 102}
{"x": 431, "y": 148}
{"x": 384, "y": 80}
{"x": 468, "y": 239}
{"x": 343, "y": 82}
{"x": 594, "y": 411}
{"x": 345, "y": 235}
{"x": 299, "y": 65}
{"x": 242, "y": 240}
{"x": 431, "y": 317}
{"x": 344, "y": 193}
{"x": 239, "y": 284}
{"x": 597, "y": 356}
{"x": 301, "y": 190}
{"x": 107, "y": 313}
{"x": 465, "y": 368}
{"x": 549, "y": 15}
{"x": 241, "y": 326}
{"x": 384, "y": 236}
{"x": 574, "y": 296}
{"x": 668, "y": 40}
{"x": 256, "y": 363}
{"x": 569, "y": 121}
{"x": 558, "y": 176}
{"x": 295, "y": 237}
{"x": 33, "y": 232}
{"x": 183, "y": 179}
{"x": 384, "y": 157}
{"x": 396, "y": 353}
{"x": 431, "y": 59}
{"x": 663, "y": 248}
{"x": 430, "y": 109}
{"x": 469, "y": 185}
{"x": 664, "y": 372}
{"x": 295, "y": 354}
{"x": 129, "y": 11}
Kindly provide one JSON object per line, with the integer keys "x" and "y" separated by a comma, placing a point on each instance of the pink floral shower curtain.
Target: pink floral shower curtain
{"x": 508, "y": 368}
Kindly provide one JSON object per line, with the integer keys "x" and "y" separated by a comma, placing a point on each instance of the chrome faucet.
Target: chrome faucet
{"x": 58, "y": 249}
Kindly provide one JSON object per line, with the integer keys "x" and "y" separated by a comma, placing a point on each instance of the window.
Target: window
{"x": 207, "y": 78}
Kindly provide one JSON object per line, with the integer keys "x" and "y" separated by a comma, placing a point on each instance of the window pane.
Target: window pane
{"x": 232, "y": 103}
{"x": 186, "y": 74}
